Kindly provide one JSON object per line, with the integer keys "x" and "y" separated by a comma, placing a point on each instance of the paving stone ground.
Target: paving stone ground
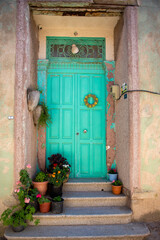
{"x": 154, "y": 228}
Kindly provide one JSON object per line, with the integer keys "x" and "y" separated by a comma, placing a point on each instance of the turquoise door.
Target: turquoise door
{"x": 76, "y": 131}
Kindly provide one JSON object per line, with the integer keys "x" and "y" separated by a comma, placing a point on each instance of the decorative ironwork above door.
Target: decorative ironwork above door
{"x": 80, "y": 49}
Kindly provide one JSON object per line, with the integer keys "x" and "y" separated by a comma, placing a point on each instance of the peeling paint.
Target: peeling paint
{"x": 110, "y": 114}
{"x": 112, "y": 126}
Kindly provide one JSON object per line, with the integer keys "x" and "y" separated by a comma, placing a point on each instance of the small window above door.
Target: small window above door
{"x": 79, "y": 49}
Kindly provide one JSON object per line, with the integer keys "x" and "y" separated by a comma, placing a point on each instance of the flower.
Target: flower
{"x": 17, "y": 190}
{"x": 59, "y": 171}
{"x": 18, "y": 182}
{"x": 28, "y": 166}
{"x": 55, "y": 165}
{"x": 53, "y": 175}
{"x": 113, "y": 181}
{"x": 39, "y": 195}
{"x": 66, "y": 165}
{"x": 27, "y": 200}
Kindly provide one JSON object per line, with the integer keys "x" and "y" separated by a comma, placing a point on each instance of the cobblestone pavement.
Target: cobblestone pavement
{"x": 154, "y": 228}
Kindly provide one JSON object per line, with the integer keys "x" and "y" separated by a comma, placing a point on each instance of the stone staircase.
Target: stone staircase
{"x": 91, "y": 211}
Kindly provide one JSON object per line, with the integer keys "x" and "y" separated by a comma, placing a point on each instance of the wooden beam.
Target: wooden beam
{"x": 118, "y": 2}
{"x": 83, "y": 3}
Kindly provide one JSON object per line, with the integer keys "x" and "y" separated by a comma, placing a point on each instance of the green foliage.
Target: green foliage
{"x": 26, "y": 194}
{"x": 24, "y": 178}
{"x": 41, "y": 177}
{"x": 45, "y": 117}
{"x": 57, "y": 176}
{"x": 57, "y": 199}
{"x": 112, "y": 171}
{"x": 43, "y": 199}
{"x": 31, "y": 194}
{"x": 38, "y": 89}
{"x": 117, "y": 183}
{"x": 18, "y": 217}
{"x": 57, "y": 159}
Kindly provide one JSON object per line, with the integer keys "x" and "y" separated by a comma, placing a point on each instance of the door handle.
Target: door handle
{"x": 77, "y": 133}
{"x": 85, "y": 131}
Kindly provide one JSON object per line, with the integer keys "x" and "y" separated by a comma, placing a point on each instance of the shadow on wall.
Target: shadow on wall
{"x": 149, "y": 217}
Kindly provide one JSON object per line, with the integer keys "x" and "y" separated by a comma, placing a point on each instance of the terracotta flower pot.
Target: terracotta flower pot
{"x": 41, "y": 186}
{"x": 116, "y": 189}
{"x": 45, "y": 207}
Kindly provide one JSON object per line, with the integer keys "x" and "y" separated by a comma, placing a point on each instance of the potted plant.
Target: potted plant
{"x": 40, "y": 182}
{"x": 18, "y": 219}
{"x": 67, "y": 170}
{"x": 44, "y": 203}
{"x": 24, "y": 191}
{"x": 56, "y": 179}
{"x": 58, "y": 160}
{"x": 116, "y": 187}
{"x": 45, "y": 117}
{"x": 112, "y": 173}
{"x": 26, "y": 195}
{"x": 57, "y": 205}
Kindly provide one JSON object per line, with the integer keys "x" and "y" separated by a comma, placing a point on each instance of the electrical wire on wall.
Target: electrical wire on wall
{"x": 129, "y": 91}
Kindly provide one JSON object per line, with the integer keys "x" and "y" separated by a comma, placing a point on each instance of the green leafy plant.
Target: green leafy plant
{"x": 41, "y": 177}
{"x": 112, "y": 171}
{"x": 57, "y": 199}
{"x": 24, "y": 178}
{"x": 24, "y": 190}
{"x": 57, "y": 176}
{"x": 45, "y": 117}
{"x": 117, "y": 183}
{"x": 18, "y": 217}
{"x": 42, "y": 199}
{"x": 58, "y": 160}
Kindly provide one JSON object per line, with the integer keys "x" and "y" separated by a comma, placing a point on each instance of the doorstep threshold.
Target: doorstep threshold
{"x": 87, "y": 180}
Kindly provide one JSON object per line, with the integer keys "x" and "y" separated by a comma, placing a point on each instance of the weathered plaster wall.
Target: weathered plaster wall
{"x": 84, "y": 26}
{"x": 7, "y": 78}
{"x": 147, "y": 204}
{"x": 26, "y": 59}
{"x": 18, "y": 59}
{"x": 110, "y": 116}
{"x": 127, "y": 109}
{"x": 122, "y": 106}
{"x": 149, "y": 68}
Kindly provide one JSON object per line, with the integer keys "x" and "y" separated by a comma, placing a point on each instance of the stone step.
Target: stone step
{"x": 131, "y": 231}
{"x": 86, "y": 199}
{"x": 84, "y": 184}
{"x": 87, "y": 216}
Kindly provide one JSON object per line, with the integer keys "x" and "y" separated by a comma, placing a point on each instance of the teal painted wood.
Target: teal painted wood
{"x": 60, "y": 100}
{"x": 91, "y": 142}
{"x": 66, "y": 89}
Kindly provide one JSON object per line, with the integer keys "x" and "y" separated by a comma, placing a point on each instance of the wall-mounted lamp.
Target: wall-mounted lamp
{"x": 74, "y": 49}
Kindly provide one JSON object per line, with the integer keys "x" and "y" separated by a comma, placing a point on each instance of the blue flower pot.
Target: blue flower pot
{"x": 112, "y": 177}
